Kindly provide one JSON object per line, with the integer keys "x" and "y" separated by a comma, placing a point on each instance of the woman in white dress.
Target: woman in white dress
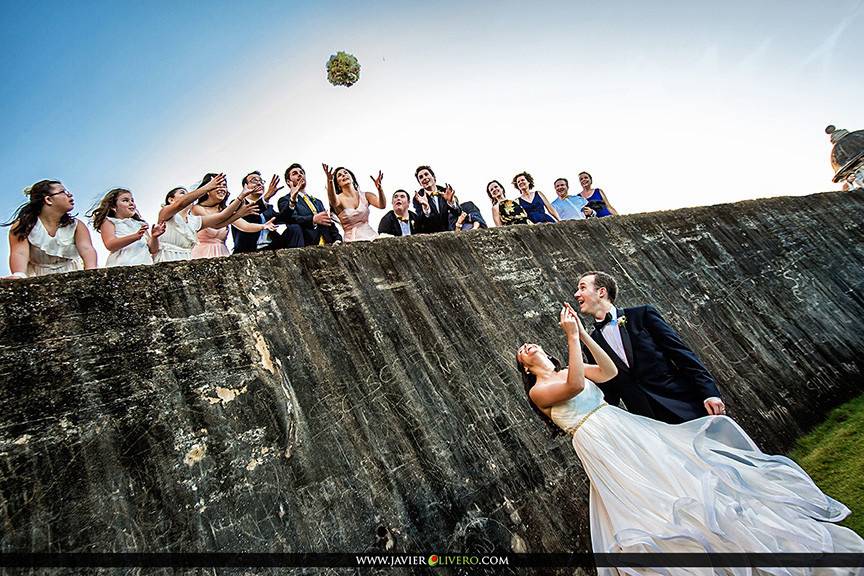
{"x": 701, "y": 486}
{"x": 45, "y": 238}
{"x": 352, "y": 206}
{"x": 181, "y": 227}
{"x": 123, "y": 231}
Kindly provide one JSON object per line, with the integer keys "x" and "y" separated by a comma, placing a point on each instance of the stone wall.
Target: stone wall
{"x": 361, "y": 397}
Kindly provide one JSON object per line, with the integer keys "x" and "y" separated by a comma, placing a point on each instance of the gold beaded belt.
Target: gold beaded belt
{"x": 572, "y": 430}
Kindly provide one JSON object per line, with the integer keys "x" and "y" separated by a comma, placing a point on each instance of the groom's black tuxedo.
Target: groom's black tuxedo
{"x": 664, "y": 380}
{"x": 439, "y": 214}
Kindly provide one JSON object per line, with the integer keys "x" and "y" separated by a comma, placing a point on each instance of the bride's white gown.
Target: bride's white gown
{"x": 701, "y": 486}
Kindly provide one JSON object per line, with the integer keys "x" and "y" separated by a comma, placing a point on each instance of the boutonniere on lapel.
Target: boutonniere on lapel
{"x": 621, "y": 321}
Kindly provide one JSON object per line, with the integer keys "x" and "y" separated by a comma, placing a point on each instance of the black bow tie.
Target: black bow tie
{"x": 606, "y": 319}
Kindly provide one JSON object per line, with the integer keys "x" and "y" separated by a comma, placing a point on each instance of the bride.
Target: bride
{"x": 700, "y": 486}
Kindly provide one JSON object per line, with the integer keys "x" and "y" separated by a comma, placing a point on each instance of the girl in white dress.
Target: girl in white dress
{"x": 701, "y": 486}
{"x": 45, "y": 238}
{"x": 352, "y": 206}
{"x": 181, "y": 227}
{"x": 123, "y": 231}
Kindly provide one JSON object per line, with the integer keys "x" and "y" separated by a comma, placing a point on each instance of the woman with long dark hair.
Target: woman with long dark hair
{"x": 350, "y": 205}
{"x": 504, "y": 211}
{"x": 45, "y": 238}
{"x": 598, "y": 204}
{"x": 701, "y": 486}
{"x": 212, "y": 241}
{"x": 181, "y": 227}
{"x": 124, "y": 233}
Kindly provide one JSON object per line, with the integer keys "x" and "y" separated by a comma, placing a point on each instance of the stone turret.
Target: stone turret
{"x": 847, "y": 157}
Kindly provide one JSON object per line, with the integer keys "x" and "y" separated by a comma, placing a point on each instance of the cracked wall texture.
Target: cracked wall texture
{"x": 364, "y": 397}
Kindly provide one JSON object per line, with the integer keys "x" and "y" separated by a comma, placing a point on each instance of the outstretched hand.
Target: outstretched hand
{"x": 328, "y": 172}
{"x": 377, "y": 181}
{"x": 217, "y": 181}
{"x": 273, "y": 188}
{"x": 247, "y": 209}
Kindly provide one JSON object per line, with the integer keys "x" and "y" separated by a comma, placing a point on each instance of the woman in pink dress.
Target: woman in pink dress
{"x": 211, "y": 241}
{"x": 352, "y": 206}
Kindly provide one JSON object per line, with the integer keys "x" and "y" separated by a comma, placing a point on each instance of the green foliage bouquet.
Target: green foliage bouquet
{"x": 343, "y": 69}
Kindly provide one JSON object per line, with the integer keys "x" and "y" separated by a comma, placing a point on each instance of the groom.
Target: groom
{"x": 658, "y": 375}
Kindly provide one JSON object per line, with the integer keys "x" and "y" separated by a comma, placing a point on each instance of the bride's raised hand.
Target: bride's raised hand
{"x": 569, "y": 323}
{"x": 583, "y": 333}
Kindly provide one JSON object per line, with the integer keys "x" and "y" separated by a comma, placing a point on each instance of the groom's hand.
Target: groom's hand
{"x": 714, "y": 406}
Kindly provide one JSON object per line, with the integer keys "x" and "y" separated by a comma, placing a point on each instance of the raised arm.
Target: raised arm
{"x": 168, "y": 212}
{"x": 605, "y": 368}
{"x": 246, "y": 226}
{"x": 553, "y": 392}
{"x": 224, "y": 217}
{"x": 85, "y": 245}
{"x": 549, "y": 208}
{"x": 331, "y": 192}
{"x": 379, "y": 201}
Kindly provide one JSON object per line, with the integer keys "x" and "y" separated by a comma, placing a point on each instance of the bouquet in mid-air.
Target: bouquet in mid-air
{"x": 343, "y": 69}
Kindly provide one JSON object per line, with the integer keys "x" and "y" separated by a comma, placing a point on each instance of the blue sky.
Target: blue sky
{"x": 667, "y": 104}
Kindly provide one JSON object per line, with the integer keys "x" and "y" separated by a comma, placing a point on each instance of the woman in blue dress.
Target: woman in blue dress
{"x": 701, "y": 486}
{"x": 598, "y": 204}
{"x": 533, "y": 201}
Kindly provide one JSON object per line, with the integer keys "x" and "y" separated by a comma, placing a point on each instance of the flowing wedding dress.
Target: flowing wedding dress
{"x": 700, "y": 486}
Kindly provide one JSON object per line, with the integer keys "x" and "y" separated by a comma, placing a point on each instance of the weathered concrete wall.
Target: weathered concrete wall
{"x": 302, "y": 400}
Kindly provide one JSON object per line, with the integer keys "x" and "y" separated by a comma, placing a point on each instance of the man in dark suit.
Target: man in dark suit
{"x": 259, "y": 229}
{"x": 400, "y": 221}
{"x": 304, "y": 210}
{"x": 658, "y": 375}
{"x": 432, "y": 203}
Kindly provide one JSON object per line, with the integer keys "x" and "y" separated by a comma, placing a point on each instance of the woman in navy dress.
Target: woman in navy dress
{"x": 533, "y": 201}
{"x": 598, "y": 204}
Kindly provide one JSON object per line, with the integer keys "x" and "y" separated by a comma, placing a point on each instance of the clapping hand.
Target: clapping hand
{"x": 378, "y": 181}
{"x": 142, "y": 230}
{"x": 448, "y": 194}
{"x": 422, "y": 199}
{"x": 273, "y": 188}
{"x": 157, "y": 230}
{"x": 322, "y": 219}
{"x": 269, "y": 225}
{"x": 294, "y": 188}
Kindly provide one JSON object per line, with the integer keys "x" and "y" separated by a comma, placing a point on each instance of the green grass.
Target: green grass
{"x": 833, "y": 455}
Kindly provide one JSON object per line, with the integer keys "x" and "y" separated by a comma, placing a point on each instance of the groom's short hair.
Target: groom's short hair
{"x": 603, "y": 280}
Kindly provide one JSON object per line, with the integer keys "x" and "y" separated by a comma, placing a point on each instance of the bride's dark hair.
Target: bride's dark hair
{"x": 528, "y": 382}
